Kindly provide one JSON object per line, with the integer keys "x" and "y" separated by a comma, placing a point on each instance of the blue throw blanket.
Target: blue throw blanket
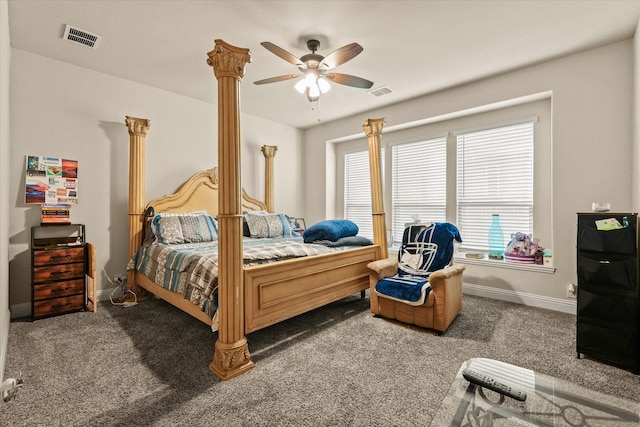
{"x": 425, "y": 248}
{"x": 410, "y": 289}
{"x": 331, "y": 229}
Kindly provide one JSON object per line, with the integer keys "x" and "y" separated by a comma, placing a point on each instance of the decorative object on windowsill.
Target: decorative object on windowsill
{"x": 522, "y": 248}
{"x": 496, "y": 239}
{"x": 474, "y": 255}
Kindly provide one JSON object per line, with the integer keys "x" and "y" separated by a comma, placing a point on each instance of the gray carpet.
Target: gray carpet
{"x": 338, "y": 365}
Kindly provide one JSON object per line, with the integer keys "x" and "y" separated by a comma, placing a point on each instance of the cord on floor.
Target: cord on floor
{"x": 122, "y": 287}
{"x": 9, "y": 387}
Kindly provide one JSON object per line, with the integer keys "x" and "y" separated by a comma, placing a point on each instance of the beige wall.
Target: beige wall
{"x": 61, "y": 110}
{"x": 5, "y": 54}
{"x": 592, "y": 148}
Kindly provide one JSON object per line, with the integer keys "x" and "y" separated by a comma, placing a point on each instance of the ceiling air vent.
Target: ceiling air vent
{"x": 383, "y": 90}
{"x": 82, "y": 37}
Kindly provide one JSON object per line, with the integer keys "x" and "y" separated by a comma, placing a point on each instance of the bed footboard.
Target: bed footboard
{"x": 278, "y": 291}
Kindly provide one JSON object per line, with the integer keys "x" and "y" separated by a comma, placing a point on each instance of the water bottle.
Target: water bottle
{"x": 496, "y": 238}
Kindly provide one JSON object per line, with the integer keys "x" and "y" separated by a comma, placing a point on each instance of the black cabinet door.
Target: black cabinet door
{"x": 608, "y": 309}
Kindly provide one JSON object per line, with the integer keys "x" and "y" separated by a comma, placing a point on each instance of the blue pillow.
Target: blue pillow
{"x": 331, "y": 229}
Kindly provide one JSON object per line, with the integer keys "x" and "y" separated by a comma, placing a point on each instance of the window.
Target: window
{"x": 461, "y": 169}
{"x": 357, "y": 191}
{"x": 419, "y": 181}
{"x": 494, "y": 175}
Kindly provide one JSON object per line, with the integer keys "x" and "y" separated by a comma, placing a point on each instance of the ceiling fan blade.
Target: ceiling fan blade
{"x": 342, "y": 55}
{"x": 349, "y": 80}
{"x": 278, "y": 51}
{"x": 277, "y": 79}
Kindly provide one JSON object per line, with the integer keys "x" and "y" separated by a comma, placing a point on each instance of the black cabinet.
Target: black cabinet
{"x": 608, "y": 311}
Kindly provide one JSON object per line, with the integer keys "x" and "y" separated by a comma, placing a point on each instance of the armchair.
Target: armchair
{"x": 442, "y": 281}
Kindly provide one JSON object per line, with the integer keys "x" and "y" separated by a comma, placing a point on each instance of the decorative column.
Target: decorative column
{"x": 231, "y": 355}
{"x": 373, "y": 128}
{"x": 269, "y": 152}
{"x": 138, "y": 129}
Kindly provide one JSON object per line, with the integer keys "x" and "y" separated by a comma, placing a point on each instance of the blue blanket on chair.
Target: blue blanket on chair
{"x": 410, "y": 289}
{"x": 425, "y": 248}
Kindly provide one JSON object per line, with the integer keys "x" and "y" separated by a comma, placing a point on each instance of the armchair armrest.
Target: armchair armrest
{"x": 446, "y": 287}
{"x": 447, "y": 272}
{"x": 383, "y": 268}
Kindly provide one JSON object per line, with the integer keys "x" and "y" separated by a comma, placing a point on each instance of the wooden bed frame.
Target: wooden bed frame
{"x": 254, "y": 297}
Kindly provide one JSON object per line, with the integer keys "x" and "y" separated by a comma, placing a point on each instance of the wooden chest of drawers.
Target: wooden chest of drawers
{"x": 59, "y": 269}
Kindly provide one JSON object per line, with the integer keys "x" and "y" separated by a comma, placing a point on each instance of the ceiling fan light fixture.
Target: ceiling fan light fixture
{"x": 316, "y": 79}
{"x": 323, "y": 85}
{"x": 311, "y": 78}
{"x": 301, "y": 86}
{"x": 314, "y": 92}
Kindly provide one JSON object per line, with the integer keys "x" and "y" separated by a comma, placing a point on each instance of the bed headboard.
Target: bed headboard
{"x": 200, "y": 192}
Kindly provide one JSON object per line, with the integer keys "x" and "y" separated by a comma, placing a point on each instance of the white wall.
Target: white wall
{"x": 592, "y": 147}
{"x": 5, "y": 59}
{"x": 61, "y": 110}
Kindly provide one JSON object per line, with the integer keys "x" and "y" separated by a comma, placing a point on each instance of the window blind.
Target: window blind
{"x": 494, "y": 175}
{"x": 419, "y": 181}
{"x": 357, "y": 190}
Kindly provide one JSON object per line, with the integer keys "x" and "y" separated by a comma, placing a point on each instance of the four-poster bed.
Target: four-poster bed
{"x": 248, "y": 297}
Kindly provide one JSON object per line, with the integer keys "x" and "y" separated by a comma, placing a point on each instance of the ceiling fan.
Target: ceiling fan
{"x": 315, "y": 67}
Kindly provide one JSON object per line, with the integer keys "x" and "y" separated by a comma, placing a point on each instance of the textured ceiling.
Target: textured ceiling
{"x": 413, "y": 47}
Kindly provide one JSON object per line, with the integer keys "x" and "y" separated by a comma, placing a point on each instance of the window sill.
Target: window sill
{"x": 549, "y": 269}
{"x": 461, "y": 259}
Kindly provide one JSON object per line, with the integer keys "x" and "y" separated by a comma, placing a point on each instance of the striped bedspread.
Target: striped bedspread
{"x": 192, "y": 269}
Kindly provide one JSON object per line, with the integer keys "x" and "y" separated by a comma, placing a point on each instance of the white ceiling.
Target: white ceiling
{"x": 413, "y": 47}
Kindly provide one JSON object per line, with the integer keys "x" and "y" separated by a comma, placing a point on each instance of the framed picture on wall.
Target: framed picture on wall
{"x": 51, "y": 180}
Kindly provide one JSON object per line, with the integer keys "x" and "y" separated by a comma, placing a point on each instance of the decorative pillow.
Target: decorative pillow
{"x": 194, "y": 227}
{"x": 245, "y": 225}
{"x": 331, "y": 229}
{"x": 264, "y": 224}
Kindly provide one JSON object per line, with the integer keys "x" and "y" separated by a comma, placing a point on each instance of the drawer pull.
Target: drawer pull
{"x": 61, "y": 289}
{"x": 60, "y": 306}
{"x": 59, "y": 258}
{"x": 60, "y": 273}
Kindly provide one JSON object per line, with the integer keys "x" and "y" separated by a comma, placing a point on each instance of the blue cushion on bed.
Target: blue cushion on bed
{"x": 331, "y": 229}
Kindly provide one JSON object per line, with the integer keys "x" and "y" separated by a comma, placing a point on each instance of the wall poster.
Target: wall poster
{"x": 51, "y": 180}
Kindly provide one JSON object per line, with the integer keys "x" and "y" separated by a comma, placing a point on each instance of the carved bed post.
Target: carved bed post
{"x": 373, "y": 128}
{"x": 269, "y": 152}
{"x": 138, "y": 129}
{"x": 231, "y": 355}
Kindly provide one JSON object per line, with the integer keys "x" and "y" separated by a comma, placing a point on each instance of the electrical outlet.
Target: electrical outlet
{"x": 120, "y": 279}
{"x": 572, "y": 290}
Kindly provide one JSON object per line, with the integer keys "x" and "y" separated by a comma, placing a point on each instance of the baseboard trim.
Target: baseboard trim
{"x": 540, "y": 301}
